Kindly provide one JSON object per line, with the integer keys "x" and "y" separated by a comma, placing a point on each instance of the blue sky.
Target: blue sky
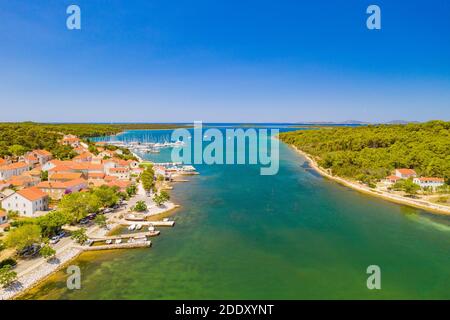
{"x": 224, "y": 61}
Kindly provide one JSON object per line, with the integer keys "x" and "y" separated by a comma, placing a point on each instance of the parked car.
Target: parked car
{"x": 54, "y": 240}
{"x": 84, "y": 221}
{"x": 30, "y": 251}
{"x": 62, "y": 234}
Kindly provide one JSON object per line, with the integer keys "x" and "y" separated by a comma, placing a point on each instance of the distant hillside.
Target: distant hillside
{"x": 372, "y": 152}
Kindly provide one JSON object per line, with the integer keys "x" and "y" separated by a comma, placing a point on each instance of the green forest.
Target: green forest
{"x": 18, "y": 138}
{"x": 369, "y": 153}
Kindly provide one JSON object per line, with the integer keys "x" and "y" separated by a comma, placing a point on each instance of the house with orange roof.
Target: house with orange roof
{"x": 13, "y": 169}
{"x": 84, "y": 157}
{"x": 71, "y": 140}
{"x": 28, "y": 202}
{"x": 57, "y": 189}
{"x": 42, "y": 155}
{"x": 64, "y": 176}
{"x": 22, "y": 181}
{"x": 122, "y": 173}
{"x": 392, "y": 179}
{"x": 121, "y": 184}
{"x": 110, "y": 178}
{"x": 96, "y": 176}
{"x": 429, "y": 182}
{"x": 31, "y": 159}
{"x": 3, "y": 162}
{"x": 405, "y": 173}
{"x": 87, "y": 168}
{"x": 57, "y": 163}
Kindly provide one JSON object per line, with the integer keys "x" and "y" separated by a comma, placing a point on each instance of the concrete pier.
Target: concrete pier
{"x": 127, "y": 245}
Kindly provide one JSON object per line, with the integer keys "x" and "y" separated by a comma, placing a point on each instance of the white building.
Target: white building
{"x": 405, "y": 173}
{"x": 424, "y": 182}
{"x": 57, "y": 189}
{"x": 13, "y": 169}
{"x": 26, "y": 201}
{"x": 120, "y": 173}
{"x": 43, "y": 156}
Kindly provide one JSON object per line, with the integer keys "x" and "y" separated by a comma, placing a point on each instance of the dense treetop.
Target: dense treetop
{"x": 17, "y": 138}
{"x": 373, "y": 152}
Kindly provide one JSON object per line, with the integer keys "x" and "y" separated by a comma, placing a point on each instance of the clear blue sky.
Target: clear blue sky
{"x": 224, "y": 61}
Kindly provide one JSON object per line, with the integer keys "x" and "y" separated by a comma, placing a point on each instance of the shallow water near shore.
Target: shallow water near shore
{"x": 294, "y": 235}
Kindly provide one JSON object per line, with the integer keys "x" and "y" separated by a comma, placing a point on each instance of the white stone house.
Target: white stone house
{"x": 405, "y": 173}
{"x": 121, "y": 173}
{"x": 425, "y": 182}
{"x": 13, "y": 169}
{"x": 26, "y": 201}
{"x": 43, "y": 156}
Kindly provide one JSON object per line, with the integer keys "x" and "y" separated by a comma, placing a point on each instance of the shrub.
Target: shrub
{"x": 8, "y": 262}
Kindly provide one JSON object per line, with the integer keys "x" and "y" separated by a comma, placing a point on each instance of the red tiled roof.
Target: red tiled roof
{"x": 43, "y": 153}
{"x": 32, "y": 193}
{"x": 119, "y": 183}
{"x": 31, "y": 157}
{"x": 406, "y": 171}
{"x": 84, "y": 155}
{"x": 87, "y": 166}
{"x": 100, "y": 175}
{"x": 75, "y": 182}
{"x": 393, "y": 178}
{"x": 12, "y": 166}
{"x": 51, "y": 185}
{"x": 66, "y": 176}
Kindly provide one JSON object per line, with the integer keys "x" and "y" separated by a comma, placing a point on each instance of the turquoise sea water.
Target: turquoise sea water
{"x": 294, "y": 235}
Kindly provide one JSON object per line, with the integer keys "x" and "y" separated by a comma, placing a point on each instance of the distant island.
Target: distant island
{"x": 408, "y": 162}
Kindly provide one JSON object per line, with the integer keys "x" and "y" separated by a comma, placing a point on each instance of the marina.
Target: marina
{"x": 145, "y": 147}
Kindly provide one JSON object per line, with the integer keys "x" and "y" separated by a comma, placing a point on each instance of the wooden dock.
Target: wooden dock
{"x": 162, "y": 223}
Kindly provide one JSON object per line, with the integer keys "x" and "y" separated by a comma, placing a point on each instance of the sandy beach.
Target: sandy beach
{"x": 417, "y": 203}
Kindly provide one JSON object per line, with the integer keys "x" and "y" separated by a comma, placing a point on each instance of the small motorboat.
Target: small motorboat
{"x": 138, "y": 226}
{"x": 166, "y": 220}
{"x": 118, "y": 241}
{"x": 132, "y": 227}
{"x": 109, "y": 241}
{"x": 151, "y": 228}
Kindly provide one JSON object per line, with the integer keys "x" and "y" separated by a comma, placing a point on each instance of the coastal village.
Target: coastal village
{"x": 36, "y": 186}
